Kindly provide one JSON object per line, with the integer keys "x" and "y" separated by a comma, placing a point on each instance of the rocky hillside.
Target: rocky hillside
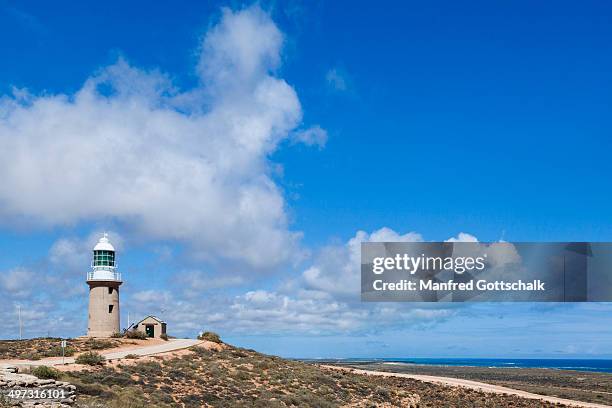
{"x": 15, "y": 389}
{"x": 231, "y": 377}
{"x": 35, "y": 349}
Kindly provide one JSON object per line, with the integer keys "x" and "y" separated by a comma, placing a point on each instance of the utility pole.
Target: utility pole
{"x": 20, "y": 329}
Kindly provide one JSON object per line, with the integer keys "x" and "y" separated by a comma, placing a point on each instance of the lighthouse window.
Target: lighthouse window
{"x": 110, "y": 291}
{"x": 110, "y": 308}
{"x": 104, "y": 258}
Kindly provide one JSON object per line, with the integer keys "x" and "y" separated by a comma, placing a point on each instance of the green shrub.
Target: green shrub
{"x": 32, "y": 356}
{"x": 135, "y": 334}
{"x": 164, "y": 336}
{"x": 84, "y": 388}
{"x": 46, "y": 373}
{"x": 210, "y": 336}
{"x": 117, "y": 335}
{"x": 90, "y": 358}
{"x": 132, "y": 356}
{"x": 57, "y": 352}
{"x": 95, "y": 344}
{"x": 129, "y": 398}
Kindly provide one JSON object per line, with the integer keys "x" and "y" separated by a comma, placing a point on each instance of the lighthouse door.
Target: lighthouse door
{"x": 150, "y": 330}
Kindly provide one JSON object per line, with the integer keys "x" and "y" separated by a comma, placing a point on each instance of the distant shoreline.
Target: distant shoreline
{"x": 588, "y": 386}
{"x": 581, "y": 365}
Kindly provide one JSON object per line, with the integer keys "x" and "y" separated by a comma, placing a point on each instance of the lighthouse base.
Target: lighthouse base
{"x": 104, "y": 318}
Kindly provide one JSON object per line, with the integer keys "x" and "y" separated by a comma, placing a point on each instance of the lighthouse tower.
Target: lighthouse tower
{"x": 104, "y": 282}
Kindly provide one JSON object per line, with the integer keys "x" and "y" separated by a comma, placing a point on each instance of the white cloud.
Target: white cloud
{"x": 498, "y": 256}
{"x": 151, "y": 297}
{"x": 260, "y": 296}
{"x": 463, "y": 237}
{"x": 313, "y": 136}
{"x": 195, "y": 282}
{"x": 72, "y": 255}
{"x": 242, "y": 49}
{"x": 271, "y": 312}
{"x": 18, "y": 281}
{"x": 336, "y": 268}
{"x": 324, "y": 299}
{"x": 43, "y": 312}
{"x": 188, "y": 166}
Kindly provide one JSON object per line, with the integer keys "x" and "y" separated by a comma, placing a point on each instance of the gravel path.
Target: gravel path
{"x": 170, "y": 345}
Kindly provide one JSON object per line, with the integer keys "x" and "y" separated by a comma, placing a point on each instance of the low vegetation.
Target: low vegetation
{"x": 39, "y": 348}
{"x": 4, "y": 402}
{"x": 135, "y": 334}
{"x": 210, "y": 336}
{"x": 219, "y": 375}
{"x": 574, "y": 385}
{"x": 46, "y": 373}
{"x": 90, "y": 358}
{"x": 234, "y": 377}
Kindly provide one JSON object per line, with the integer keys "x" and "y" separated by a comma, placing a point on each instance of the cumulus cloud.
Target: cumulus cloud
{"x": 73, "y": 254}
{"x": 323, "y": 299}
{"x": 336, "y": 268}
{"x": 195, "y": 283}
{"x": 35, "y": 288}
{"x": 17, "y": 282}
{"x": 503, "y": 256}
{"x": 60, "y": 271}
{"x": 190, "y": 166}
{"x": 270, "y": 312}
{"x": 242, "y": 49}
{"x": 463, "y": 237}
{"x": 151, "y": 297}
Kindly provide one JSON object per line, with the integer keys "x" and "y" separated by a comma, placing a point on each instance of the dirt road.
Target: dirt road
{"x": 170, "y": 345}
{"x": 456, "y": 382}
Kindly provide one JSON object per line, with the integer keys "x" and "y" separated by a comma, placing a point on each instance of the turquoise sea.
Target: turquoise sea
{"x": 604, "y": 366}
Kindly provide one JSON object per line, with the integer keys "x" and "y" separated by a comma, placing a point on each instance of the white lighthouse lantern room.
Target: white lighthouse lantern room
{"x": 104, "y": 281}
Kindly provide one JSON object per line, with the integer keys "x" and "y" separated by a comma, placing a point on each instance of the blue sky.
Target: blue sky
{"x": 236, "y": 156}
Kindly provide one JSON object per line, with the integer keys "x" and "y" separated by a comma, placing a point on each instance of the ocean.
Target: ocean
{"x": 603, "y": 366}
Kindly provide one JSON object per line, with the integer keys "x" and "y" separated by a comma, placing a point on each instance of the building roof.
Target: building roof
{"x": 104, "y": 244}
{"x": 152, "y": 317}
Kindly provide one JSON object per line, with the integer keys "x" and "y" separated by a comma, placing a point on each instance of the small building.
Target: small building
{"x": 151, "y": 326}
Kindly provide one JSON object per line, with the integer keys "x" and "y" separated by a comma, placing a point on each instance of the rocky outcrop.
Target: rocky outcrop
{"x": 28, "y": 391}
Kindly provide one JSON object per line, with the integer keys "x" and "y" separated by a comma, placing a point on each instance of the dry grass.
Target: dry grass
{"x": 41, "y": 348}
{"x": 574, "y": 385}
{"x": 233, "y": 377}
{"x": 36, "y": 349}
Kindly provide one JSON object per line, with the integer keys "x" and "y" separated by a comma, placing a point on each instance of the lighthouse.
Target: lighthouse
{"x": 104, "y": 282}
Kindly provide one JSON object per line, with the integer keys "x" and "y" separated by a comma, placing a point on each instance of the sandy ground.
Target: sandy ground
{"x": 455, "y": 382}
{"x": 166, "y": 355}
{"x": 144, "y": 348}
